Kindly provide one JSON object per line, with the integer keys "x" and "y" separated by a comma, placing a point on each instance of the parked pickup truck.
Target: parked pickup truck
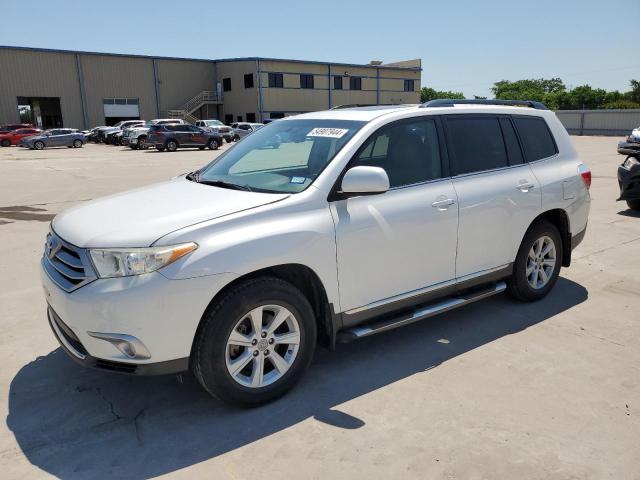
{"x": 363, "y": 220}
{"x": 218, "y": 127}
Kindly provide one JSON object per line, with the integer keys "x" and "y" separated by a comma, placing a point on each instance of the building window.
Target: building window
{"x": 355, "y": 83}
{"x": 248, "y": 80}
{"x": 276, "y": 115}
{"x": 306, "y": 80}
{"x": 251, "y": 117}
{"x": 337, "y": 83}
{"x": 228, "y": 118}
{"x": 275, "y": 80}
{"x": 408, "y": 86}
{"x": 239, "y": 118}
{"x": 226, "y": 84}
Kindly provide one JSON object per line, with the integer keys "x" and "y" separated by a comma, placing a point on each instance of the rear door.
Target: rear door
{"x": 497, "y": 192}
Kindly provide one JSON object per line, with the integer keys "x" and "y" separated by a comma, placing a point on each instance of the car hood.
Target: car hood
{"x": 137, "y": 218}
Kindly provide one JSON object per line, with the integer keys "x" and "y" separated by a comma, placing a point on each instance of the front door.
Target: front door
{"x": 497, "y": 192}
{"x": 401, "y": 243}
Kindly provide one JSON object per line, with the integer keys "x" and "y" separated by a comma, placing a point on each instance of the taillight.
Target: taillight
{"x": 585, "y": 173}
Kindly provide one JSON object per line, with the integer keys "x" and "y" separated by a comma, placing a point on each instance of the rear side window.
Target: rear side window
{"x": 511, "y": 141}
{"x": 475, "y": 144}
{"x": 536, "y": 138}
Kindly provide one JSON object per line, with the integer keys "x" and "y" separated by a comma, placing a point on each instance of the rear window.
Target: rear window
{"x": 536, "y": 138}
{"x": 476, "y": 144}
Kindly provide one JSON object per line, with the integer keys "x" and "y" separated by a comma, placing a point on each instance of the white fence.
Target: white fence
{"x": 599, "y": 122}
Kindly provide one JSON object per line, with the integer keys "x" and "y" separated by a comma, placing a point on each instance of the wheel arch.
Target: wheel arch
{"x": 559, "y": 218}
{"x": 308, "y": 282}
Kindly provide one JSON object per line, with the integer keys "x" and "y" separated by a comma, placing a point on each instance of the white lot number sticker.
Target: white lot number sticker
{"x": 328, "y": 132}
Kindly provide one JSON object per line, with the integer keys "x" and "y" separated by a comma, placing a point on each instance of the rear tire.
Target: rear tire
{"x": 38, "y": 145}
{"x": 537, "y": 264}
{"x": 633, "y": 204}
{"x": 6, "y": 143}
{"x": 213, "y": 144}
{"x": 171, "y": 145}
{"x": 77, "y": 144}
{"x": 258, "y": 380}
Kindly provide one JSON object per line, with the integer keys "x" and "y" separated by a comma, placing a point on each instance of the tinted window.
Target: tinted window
{"x": 475, "y": 144}
{"x": 355, "y": 83}
{"x": 337, "y": 83}
{"x": 248, "y": 80}
{"x": 306, "y": 81}
{"x": 275, "y": 80}
{"x": 226, "y": 84}
{"x": 511, "y": 141}
{"x": 408, "y": 151}
{"x": 536, "y": 138}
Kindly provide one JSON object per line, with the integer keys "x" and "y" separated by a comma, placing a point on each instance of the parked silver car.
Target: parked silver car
{"x": 57, "y": 137}
{"x": 242, "y": 129}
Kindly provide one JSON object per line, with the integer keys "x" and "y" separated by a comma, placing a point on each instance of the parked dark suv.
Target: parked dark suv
{"x": 172, "y": 137}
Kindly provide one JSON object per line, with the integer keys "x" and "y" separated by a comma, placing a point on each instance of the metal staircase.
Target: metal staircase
{"x": 185, "y": 112}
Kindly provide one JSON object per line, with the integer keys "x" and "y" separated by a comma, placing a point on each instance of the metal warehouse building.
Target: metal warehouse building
{"x": 54, "y": 88}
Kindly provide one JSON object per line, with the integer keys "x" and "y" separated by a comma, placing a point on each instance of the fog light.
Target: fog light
{"x": 129, "y": 345}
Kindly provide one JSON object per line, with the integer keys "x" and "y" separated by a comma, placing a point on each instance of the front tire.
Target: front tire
{"x": 213, "y": 144}
{"x": 38, "y": 145}
{"x": 77, "y": 144}
{"x": 255, "y": 343}
{"x": 633, "y": 204}
{"x": 537, "y": 264}
{"x": 6, "y": 143}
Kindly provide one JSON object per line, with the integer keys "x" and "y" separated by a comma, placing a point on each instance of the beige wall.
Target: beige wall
{"x": 117, "y": 77}
{"x": 181, "y": 80}
{"x": 239, "y": 100}
{"x": 27, "y": 73}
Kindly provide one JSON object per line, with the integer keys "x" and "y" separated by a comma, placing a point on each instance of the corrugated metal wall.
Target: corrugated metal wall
{"x": 181, "y": 80}
{"x": 599, "y": 122}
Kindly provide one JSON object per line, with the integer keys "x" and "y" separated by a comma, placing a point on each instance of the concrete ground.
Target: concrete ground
{"x": 497, "y": 389}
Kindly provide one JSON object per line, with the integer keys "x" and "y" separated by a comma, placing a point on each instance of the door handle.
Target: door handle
{"x": 443, "y": 204}
{"x": 525, "y": 186}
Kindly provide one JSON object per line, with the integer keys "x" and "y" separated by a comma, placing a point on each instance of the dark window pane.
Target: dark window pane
{"x": 408, "y": 86}
{"x": 276, "y": 115}
{"x": 239, "y": 118}
{"x": 306, "y": 81}
{"x": 337, "y": 83}
{"x": 408, "y": 151}
{"x": 248, "y": 80}
{"x": 355, "y": 83}
{"x": 476, "y": 144}
{"x": 226, "y": 84}
{"x": 511, "y": 141}
{"x": 251, "y": 117}
{"x": 536, "y": 138}
{"x": 228, "y": 118}
{"x": 275, "y": 80}
{"x": 120, "y": 101}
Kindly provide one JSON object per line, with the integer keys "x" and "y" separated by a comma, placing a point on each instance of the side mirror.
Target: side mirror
{"x": 365, "y": 181}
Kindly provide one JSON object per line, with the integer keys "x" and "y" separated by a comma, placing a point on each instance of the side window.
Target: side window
{"x": 408, "y": 151}
{"x": 511, "y": 141}
{"x": 276, "y": 80}
{"x": 537, "y": 141}
{"x": 475, "y": 143}
{"x": 226, "y": 84}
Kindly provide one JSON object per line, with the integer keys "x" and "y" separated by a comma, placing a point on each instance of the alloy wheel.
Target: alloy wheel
{"x": 262, "y": 346}
{"x": 541, "y": 262}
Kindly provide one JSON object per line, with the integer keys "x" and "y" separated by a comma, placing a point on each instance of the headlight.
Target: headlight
{"x": 630, "y": 162}
{"x": 123, "y": 262}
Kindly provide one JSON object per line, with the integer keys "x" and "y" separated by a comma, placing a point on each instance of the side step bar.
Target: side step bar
{"x": 440, "y": 306}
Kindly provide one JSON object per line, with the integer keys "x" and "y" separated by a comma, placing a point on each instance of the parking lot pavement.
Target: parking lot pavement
{"x": 497, "y": 389}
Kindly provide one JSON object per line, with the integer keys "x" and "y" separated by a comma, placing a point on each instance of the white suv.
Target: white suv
{"x": 322, "y": 227}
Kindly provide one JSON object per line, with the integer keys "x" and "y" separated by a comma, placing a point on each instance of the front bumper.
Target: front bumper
{"x": 628, "y": 148}
{"x": 161, "y": 313}
{"x": 629, "y": 182}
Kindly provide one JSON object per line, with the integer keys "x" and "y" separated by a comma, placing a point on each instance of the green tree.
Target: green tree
{"x": 634, "y": 94}
{"x": 427, "y": 94}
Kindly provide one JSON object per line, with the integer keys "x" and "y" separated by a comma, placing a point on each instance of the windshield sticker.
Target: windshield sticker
{"x": 328, "y": 132}
{"x": 298, "y": 180}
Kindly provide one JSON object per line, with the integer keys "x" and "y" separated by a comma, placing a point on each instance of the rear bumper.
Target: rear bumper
{"x": 577, "y": 238}
{"x": 629, "y": 182}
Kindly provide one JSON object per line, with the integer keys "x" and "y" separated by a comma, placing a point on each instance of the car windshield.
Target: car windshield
{"x": 211, "y": 123}
{"x": 282, "y": 157}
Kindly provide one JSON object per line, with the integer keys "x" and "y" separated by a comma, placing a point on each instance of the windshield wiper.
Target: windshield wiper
{"x": 223, "y": 184}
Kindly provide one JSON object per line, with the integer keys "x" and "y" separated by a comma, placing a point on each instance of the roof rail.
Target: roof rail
{"x": 449, "y": 102}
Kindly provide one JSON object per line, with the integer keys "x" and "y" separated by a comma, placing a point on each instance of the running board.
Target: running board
{"x": 440, "y": 306}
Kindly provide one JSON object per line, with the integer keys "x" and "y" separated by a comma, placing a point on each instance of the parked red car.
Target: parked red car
{"x": 10, "y": 127}
{"x": 12, "y": 138}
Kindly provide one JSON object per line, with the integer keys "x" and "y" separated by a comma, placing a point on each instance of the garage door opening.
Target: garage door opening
{"x": 119, "y": 109}
{"x": 43, "y": 112}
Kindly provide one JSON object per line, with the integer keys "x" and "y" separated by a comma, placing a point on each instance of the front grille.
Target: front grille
{"x": 225, "y": 130}
{"x": 67, "y": 265}
{"x": 67, "y": 333}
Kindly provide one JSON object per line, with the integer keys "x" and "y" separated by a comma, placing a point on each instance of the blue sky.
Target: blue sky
{"x": 464, "y": 45}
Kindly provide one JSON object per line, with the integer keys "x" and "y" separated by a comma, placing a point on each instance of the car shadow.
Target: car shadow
{"x": 78, "y": 423}
{"x": 630, "y": 213}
